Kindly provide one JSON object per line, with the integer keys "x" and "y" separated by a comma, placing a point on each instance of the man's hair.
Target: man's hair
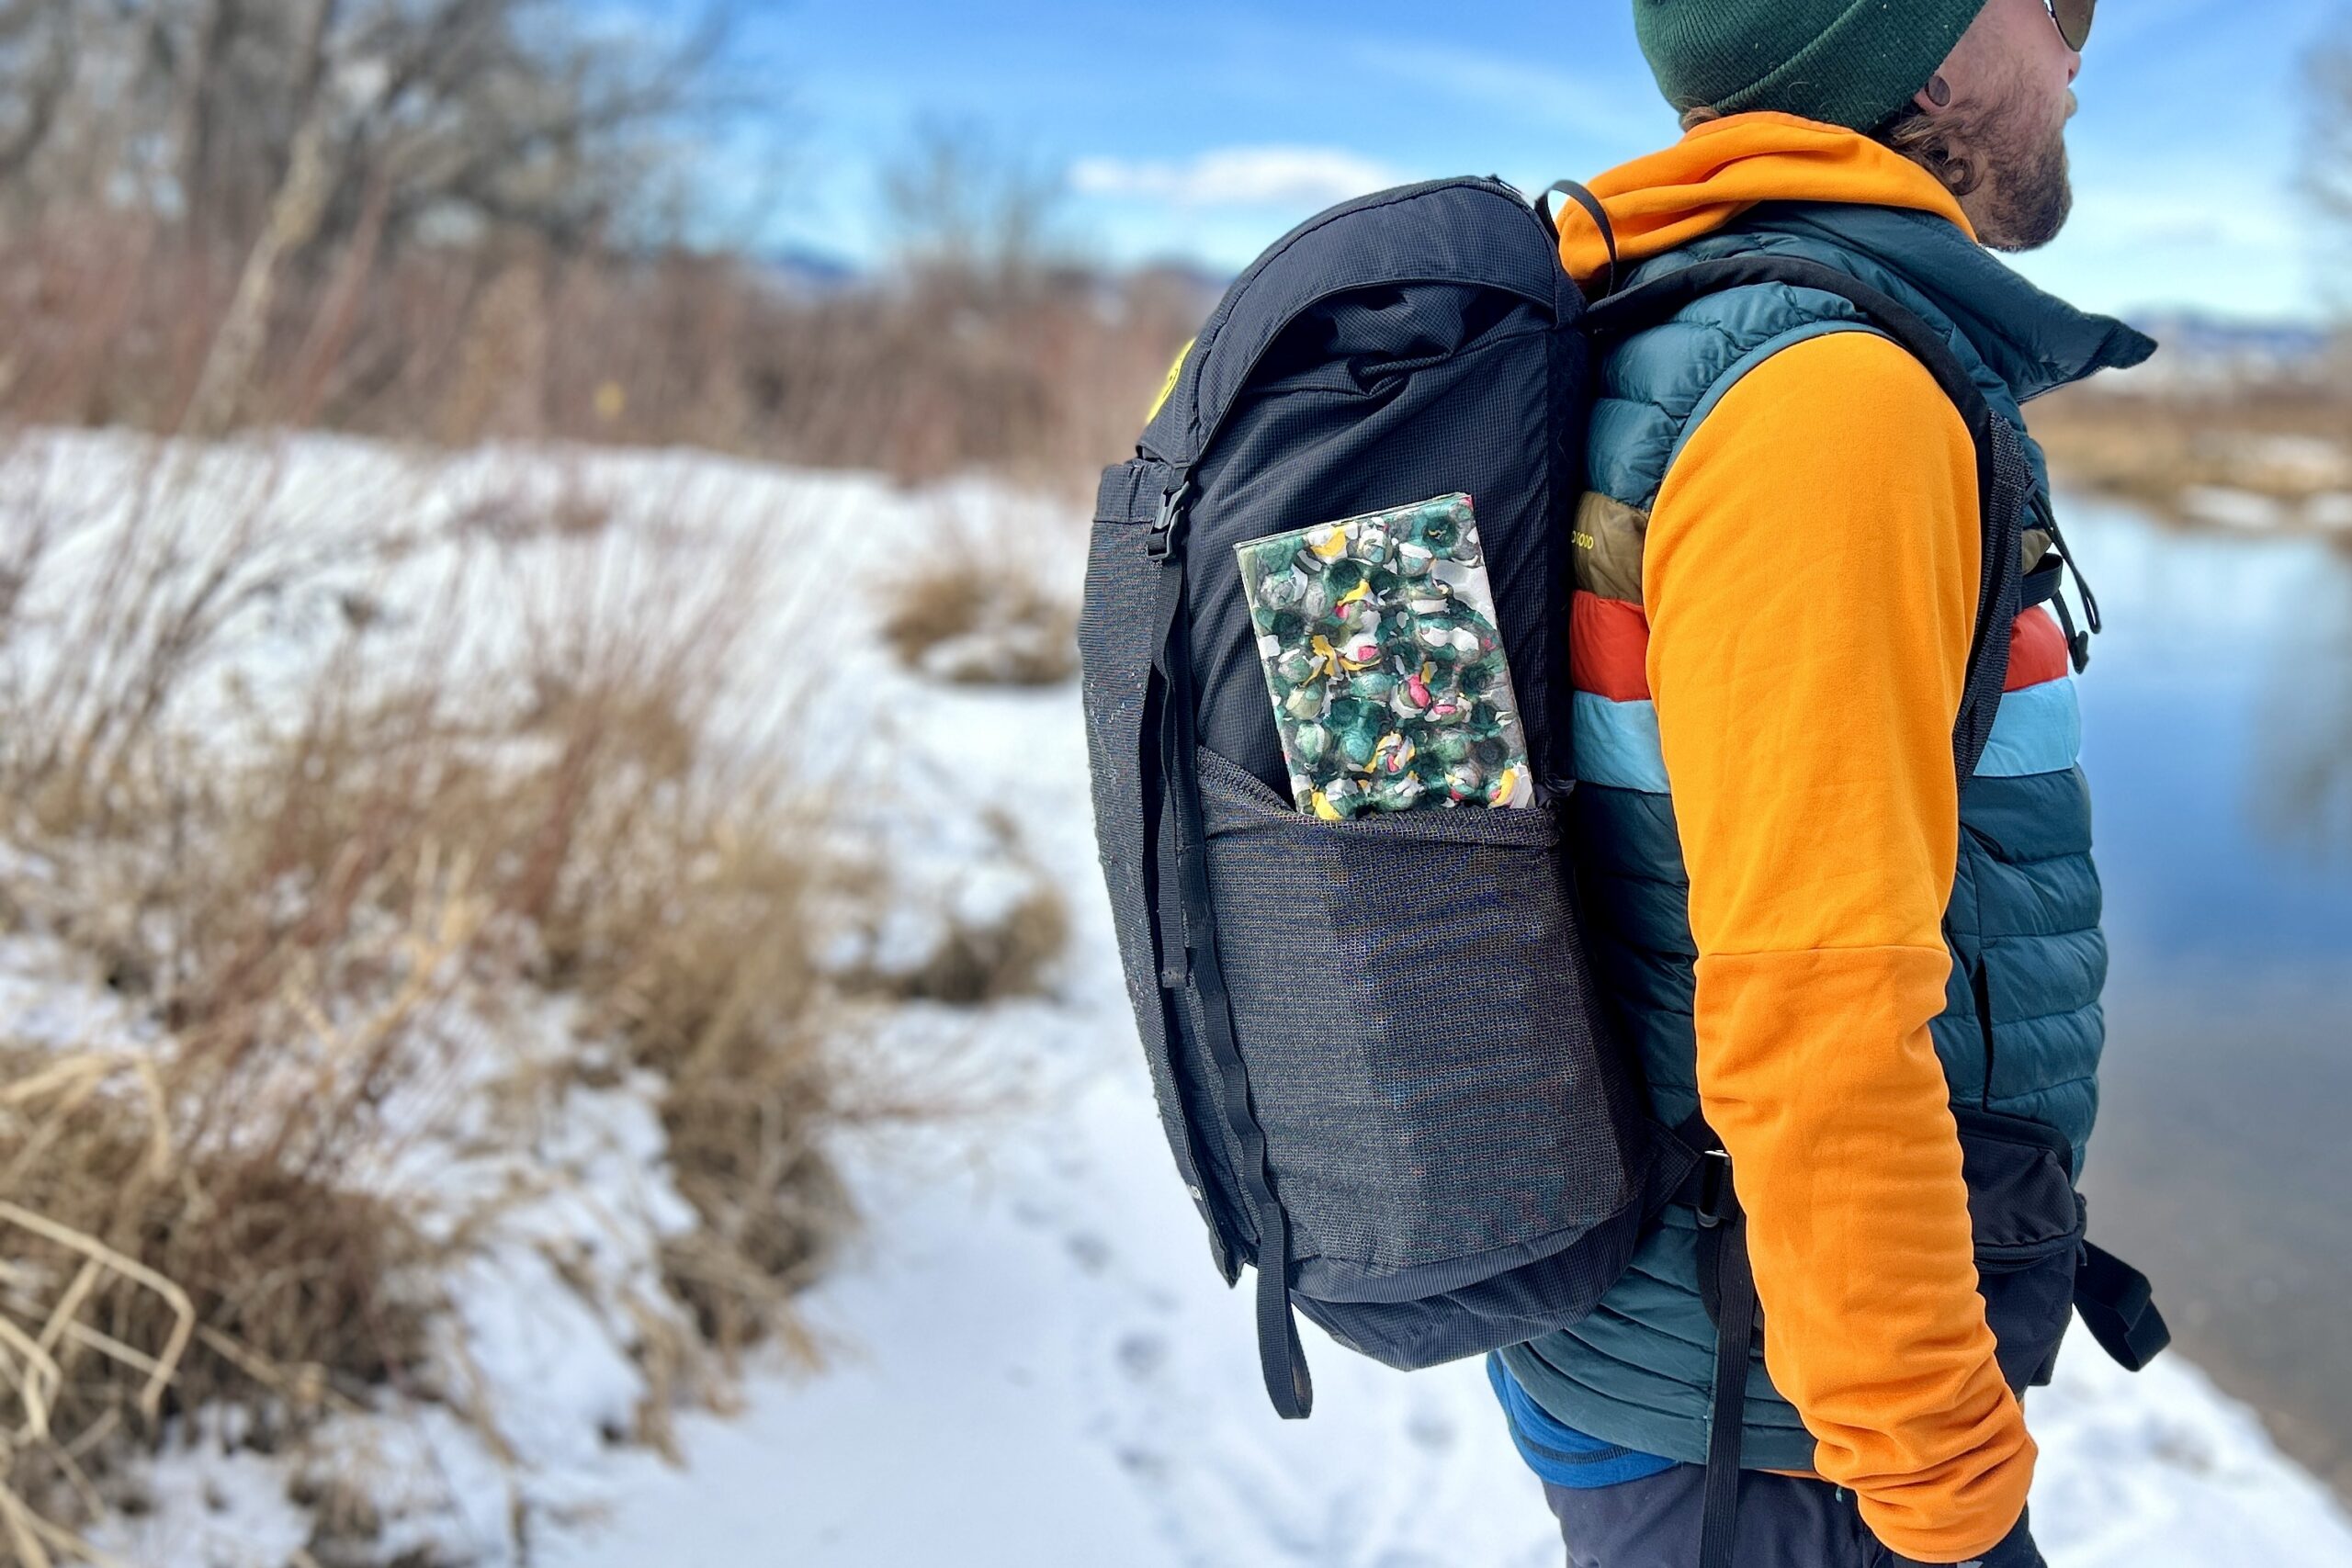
{"x": 1919, "y": 136}
{"x": 1927, "y": 140}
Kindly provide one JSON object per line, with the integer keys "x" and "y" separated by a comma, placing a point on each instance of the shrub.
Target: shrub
{"x": 972, "y": 610}
{"x": 488, "y": 762}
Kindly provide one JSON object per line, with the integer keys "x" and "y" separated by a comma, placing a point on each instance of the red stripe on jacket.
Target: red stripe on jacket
{"x": 2037, "y": 650}
{"x": 1609, "y": 648}
{"x": 1609, "y": 645}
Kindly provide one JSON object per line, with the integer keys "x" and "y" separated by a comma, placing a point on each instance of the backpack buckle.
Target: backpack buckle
{"x": 1163, "y": 527}
{"x": 1716, "y": 1200}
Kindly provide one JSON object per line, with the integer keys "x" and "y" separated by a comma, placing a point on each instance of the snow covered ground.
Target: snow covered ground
{"x": 1038, "y": 1365}
{"x": 1029, "y": 1361}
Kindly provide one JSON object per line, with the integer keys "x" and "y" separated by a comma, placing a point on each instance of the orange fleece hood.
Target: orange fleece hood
{"x": 1725, "y": 166}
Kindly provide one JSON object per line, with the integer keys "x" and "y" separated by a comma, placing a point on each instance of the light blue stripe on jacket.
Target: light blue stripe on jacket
{"x": 2037, "y": 730}
{"x": 1617, "y": 744}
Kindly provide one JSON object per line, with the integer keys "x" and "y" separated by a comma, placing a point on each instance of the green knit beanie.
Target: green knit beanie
{"x": 1850, "y": 62}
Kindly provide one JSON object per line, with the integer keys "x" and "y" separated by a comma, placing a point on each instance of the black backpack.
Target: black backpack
{"x": 1375, "y": 1042}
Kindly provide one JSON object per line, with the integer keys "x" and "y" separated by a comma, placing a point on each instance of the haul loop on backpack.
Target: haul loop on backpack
{"x": 1595, "y": 210}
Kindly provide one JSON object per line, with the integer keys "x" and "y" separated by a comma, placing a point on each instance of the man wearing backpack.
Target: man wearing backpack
{"x": 1777, "y": 576}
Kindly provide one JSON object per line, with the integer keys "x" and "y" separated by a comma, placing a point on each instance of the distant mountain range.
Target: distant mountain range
{"x": 2198, "y": 350}
{"x": 803, "y": 270}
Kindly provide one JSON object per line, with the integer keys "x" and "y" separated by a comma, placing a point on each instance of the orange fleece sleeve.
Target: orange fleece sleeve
{"x": 1811, "y": 582}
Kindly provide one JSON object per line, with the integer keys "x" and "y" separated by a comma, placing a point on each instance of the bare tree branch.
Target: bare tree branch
{"x": 43, "y": 77}
{"x": 293, "y": 219}
{"x": 972, "y": 216}
{"x": 509, "y": 113}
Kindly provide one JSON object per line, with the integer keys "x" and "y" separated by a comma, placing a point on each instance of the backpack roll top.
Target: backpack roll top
{"x": 1375, "y": 1042}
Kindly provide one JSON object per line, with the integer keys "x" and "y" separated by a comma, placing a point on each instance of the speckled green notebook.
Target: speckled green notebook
{"x": 1390, "y": 682}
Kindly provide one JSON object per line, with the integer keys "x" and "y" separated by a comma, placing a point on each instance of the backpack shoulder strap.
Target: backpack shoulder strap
{"x": 2004, "y": 478}
{"x": 2113, "y": 1298}
{"x": 2003, "y": 484}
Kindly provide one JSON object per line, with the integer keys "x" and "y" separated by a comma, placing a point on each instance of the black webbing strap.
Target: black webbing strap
{"x": 1594, "y": 210}
{"x": 1734, "y": 1295}
{"x": 2118, "y": 1308}
{"x": 1728, "y": 1288}
{"x": 2078, "y": 641}
{"x": 1189, "y": 957}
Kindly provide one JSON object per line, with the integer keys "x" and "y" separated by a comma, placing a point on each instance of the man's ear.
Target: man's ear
{"x": 1936, "y": 95}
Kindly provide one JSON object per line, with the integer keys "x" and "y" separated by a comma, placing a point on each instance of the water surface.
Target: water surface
{"x": 2218, "y": 737}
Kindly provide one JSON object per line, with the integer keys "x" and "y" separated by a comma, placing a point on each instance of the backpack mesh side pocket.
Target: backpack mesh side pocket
{"x": 1409, "y": 994}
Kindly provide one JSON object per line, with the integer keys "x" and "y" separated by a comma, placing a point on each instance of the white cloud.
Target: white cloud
{"x": 1237, "y": 177}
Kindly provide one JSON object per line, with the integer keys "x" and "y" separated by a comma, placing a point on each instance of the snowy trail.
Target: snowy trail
{"x": 1044, "y": 1369}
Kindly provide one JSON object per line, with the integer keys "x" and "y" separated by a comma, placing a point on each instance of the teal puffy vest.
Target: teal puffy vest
{"x": 2021, "y": 1031}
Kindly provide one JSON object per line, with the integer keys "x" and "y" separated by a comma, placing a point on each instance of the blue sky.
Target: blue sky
{"x": 1203, "y": 131}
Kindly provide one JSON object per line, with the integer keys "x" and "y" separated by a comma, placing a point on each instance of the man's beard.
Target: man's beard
{"x": 2027, "y": 201}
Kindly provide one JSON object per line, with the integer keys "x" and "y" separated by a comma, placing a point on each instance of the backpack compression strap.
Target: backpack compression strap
{"x": 1189, "y": 956}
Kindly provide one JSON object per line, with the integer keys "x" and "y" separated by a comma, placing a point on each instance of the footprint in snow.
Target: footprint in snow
{"x": 1144, "y": 1464}
{"x": 1431, "y": 1431}
{"x": 1141, "y": 1355}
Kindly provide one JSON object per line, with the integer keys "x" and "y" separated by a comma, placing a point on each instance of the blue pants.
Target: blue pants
{"x": 1784, "y": 1522}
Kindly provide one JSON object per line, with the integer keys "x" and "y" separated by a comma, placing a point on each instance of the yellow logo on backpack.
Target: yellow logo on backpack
{"x": 1169, "y": 386}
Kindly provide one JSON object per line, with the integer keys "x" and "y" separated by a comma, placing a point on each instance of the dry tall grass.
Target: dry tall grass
{"x": 2287, "y": 443}
{"x": 512, "y": 338}
{"x": 316, "y": 876}
{"x": 294, "y": 875}
{"x": 975, "y": 608}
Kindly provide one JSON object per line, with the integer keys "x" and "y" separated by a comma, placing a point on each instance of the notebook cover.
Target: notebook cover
{"x": 1390, "y": 684}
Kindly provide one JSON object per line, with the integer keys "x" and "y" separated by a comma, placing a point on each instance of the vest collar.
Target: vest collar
{"x": 2033, "y": 340}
